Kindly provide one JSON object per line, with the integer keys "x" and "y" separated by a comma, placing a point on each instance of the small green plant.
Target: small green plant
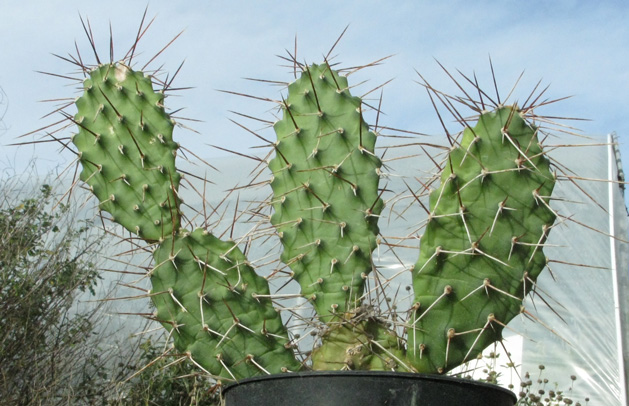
{"x": 489, "y": 216}
{"x": 542, "y": 392}
{"x": 530, "y": 390}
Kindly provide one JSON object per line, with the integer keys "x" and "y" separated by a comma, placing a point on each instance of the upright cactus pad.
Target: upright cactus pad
{"x": 127, "y": 151}
{"x": 325, "y": 184}
{"x": 482, "y": 247}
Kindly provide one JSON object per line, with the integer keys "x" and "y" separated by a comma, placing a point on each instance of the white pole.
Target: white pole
{"x": 612, "y": 245}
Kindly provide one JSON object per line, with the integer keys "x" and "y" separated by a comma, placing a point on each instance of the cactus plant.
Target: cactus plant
{"x": 479, "y": 256}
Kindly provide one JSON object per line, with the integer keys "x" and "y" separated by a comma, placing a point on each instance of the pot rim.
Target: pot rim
{"x": 391, "y": 374}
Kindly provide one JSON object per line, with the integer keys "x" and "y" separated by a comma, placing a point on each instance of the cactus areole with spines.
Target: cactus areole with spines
{"x": 479, "y": 255}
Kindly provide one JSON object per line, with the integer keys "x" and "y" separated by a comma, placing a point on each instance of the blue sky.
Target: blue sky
{"x": 579, "y": 48}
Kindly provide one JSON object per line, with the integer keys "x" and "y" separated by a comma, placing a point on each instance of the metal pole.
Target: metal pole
{"x": 612, "y": 246}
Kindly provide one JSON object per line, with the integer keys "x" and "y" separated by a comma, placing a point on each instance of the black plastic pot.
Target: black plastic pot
{"x": 357, "y": 388}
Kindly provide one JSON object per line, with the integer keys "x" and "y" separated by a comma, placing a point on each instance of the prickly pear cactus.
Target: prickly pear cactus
{"x": 479, "y": 256}
{"x": 206, "y": 294}
{"x": 482, "y": 247}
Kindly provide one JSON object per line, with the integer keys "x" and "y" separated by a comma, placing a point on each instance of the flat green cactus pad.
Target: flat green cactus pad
{"x": 325, "y": 186}
{"x": 127, "y": 152}
{"x": 482, "y": 247}
{"x": 217, "y": 308}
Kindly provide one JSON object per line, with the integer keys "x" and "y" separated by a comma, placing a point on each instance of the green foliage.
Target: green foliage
{"x": 52, "y": 354}
{"x": 46, "y": 260}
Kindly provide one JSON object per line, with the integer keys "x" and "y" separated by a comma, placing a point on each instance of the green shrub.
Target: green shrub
{"x": 46, "y": 261}
{"x": 157, "y": 378}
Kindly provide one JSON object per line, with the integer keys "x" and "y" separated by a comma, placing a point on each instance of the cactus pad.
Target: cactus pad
{"x": 482, "y": 246}
{"x": 127, "y": 152}
{"x": 325, "y": 186}
{"x": 217, "y": 308}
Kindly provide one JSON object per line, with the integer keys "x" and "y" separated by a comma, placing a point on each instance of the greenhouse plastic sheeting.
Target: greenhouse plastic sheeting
{"x": 585, "y": 333}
